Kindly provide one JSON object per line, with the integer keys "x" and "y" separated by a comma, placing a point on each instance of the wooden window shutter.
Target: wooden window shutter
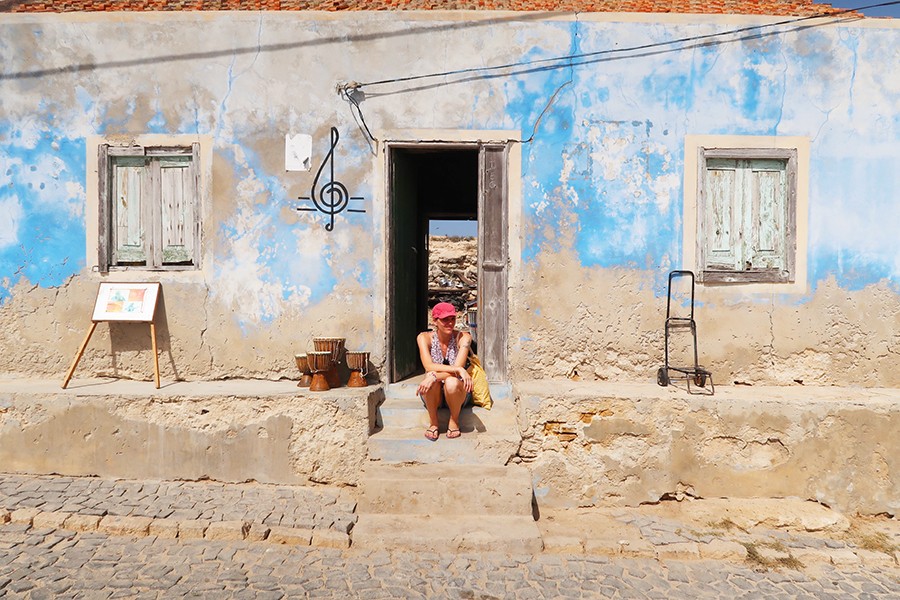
{"x": 722, "y": 215}
{"x": 176, "y": 209}
{"x": 103, "y": 208}
{"x": 765, "y": 250}
{"x": 130, "y": 209}
{"x": 746, "y": 225}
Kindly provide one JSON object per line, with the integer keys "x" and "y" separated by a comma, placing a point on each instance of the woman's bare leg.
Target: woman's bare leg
{"x": 455, "y": 395}
{"x": 432, "y": 403}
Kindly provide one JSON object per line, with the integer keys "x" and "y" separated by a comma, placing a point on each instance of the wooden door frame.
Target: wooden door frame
{"x": 465, "y": 140}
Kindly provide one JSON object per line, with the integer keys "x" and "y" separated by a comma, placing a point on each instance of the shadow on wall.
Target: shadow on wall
{"x": 135, "y": 339}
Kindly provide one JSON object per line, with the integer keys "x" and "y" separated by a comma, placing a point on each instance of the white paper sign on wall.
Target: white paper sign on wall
{"x": 297, "y": 152}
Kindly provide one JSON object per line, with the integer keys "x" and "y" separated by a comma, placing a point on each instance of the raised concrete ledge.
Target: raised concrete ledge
{"x": 871, "y": 398}
{"x": 611, "y": 443}
{"x": 230, "y": 431}
{"x": 129, "y": 388}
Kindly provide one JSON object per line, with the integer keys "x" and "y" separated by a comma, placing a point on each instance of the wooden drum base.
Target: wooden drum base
{"x": 331, "y": 375}
{"x": 305, "y": 380}
{"x": 356, "y": 379}
{"x": 319, "y": 383}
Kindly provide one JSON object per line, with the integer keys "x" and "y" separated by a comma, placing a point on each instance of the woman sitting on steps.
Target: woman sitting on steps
{"x": 444, "y": 353}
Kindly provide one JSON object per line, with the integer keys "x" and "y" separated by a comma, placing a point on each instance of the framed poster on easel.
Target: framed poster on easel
{"x": 128, "y": 302}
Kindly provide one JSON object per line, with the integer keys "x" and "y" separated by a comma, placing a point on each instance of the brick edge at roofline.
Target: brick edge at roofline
{"x": 777, "y": 8}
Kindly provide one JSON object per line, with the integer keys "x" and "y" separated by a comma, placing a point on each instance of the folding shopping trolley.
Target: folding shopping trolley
{"x": 696, "y": 374}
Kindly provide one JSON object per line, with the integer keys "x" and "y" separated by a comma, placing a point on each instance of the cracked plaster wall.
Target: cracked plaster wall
{"x": 594, "y": 444}
{"x": 600, "y": 214}
{"x": 836, "y": 337}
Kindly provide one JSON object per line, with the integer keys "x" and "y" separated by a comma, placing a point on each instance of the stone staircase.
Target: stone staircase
{"x": 489, "y": 437}
{"x": 451, "y": 495}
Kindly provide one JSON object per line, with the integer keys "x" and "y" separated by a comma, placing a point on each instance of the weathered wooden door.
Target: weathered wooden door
{"x": 404, "y": 266}
{"x": 493, "y": 261}
{"x": 407, "y": 235}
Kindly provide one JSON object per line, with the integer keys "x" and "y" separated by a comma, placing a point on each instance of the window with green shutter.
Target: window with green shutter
{"x": 746, "y": 220}
{"x": 149, "y": 207}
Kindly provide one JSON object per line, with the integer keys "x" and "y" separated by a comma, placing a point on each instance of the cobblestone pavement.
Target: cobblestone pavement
{"x": 70, "y": 537}
{"x": 185, "y": 509}
{"x": 47, "y": 563}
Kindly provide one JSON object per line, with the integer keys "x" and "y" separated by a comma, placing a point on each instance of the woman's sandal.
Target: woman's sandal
{"x": 452, "y": 434}
{"x": 432, "y": 433}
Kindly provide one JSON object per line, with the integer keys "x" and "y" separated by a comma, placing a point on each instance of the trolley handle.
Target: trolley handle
{"x": 672, "y": 275}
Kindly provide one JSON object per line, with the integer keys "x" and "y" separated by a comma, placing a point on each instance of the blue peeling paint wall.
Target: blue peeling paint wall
{"x": 597, "y": 110}
{"x": 42, "y": 229}
{"x": 609, "y": 157}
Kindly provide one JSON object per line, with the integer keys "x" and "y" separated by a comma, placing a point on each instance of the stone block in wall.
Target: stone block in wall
{"x": 51, "y": 520}
{"x": 79, "y": 522}
{"x": 164, "y": 528}
{"x": 290, "y": 536}
{"x": 130, "y": 526}
{"x": 227, "y": 530}
{"x": 24, "y": 516}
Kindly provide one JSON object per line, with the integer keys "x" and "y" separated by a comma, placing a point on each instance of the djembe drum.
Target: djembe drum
{"x": 319, "y": 363}
{"x": 335, "y": 346}
{"x": 358, "y": 363}
{"x": 303, "y": 365}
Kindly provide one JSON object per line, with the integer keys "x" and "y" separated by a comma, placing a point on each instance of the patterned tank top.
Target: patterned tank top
{"x": 436, "y": 354}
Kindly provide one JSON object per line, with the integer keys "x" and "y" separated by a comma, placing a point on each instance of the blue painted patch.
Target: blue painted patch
{"x": 855, "y": 197}
{"x": 302, "y": 280}
{"x": 42, "y": 238}
{"x": 672, "y": 88}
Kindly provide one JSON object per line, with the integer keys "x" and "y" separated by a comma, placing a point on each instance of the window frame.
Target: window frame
{"x": 151, "y": 217}
{"x": 788, "y": 237}
{"x": 689, "y": 211}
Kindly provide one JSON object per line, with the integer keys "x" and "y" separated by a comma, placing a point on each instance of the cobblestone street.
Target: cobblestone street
{"x": 65, "y": 537}
{"x": 47, "y": 563}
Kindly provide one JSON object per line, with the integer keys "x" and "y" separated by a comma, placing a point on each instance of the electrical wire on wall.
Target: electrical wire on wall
{"x": 355, "y": 92}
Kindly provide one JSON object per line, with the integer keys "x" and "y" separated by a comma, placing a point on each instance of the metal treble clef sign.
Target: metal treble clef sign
{"x": 332, "y": 197}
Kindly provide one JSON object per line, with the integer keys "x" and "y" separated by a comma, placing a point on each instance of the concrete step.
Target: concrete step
{"x": 446, "y": 490}
{"x": 409, "y": 445}
{"x": 471, "y": 533}
{"x": 407, "y": 389}
{"x": 489, "y": 437}
{"x": 409, "y": 412}
{"x": 446, "y": 508}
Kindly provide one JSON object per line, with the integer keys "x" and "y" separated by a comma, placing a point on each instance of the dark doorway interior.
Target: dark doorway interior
{"x": 427, "y": 183}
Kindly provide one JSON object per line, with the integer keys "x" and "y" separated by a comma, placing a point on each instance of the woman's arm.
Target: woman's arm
{"x": 440, "y": 371}
{"x": 463, "y": 343}
{"x": 432, "y": 376}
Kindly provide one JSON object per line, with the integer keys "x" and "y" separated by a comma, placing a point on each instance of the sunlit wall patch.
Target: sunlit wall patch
{"x": 274, "y": 265}
{"x": 849, "y": 239}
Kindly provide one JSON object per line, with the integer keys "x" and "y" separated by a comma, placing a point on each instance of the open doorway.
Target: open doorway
{"x": 453, "y": 270}
{"x": 434, "y": 186}
{"x": 428, "y": 185}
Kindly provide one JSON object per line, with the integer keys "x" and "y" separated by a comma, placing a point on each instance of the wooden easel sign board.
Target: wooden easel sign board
{"x": 126, "y": 302}
{"x": 129, "y": 302}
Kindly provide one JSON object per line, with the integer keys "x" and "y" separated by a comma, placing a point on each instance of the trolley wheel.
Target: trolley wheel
{"x": 700, "y": 379}
{"x": 662, "y": 377}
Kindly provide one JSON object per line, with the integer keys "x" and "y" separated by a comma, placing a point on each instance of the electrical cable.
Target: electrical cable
{"x": 349, "y": 90}
{"x": 685, "y": 40}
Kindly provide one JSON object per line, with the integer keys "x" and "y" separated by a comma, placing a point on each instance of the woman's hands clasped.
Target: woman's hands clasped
{"x": 468, "y": 384}
{"x": 429, "y": 380}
